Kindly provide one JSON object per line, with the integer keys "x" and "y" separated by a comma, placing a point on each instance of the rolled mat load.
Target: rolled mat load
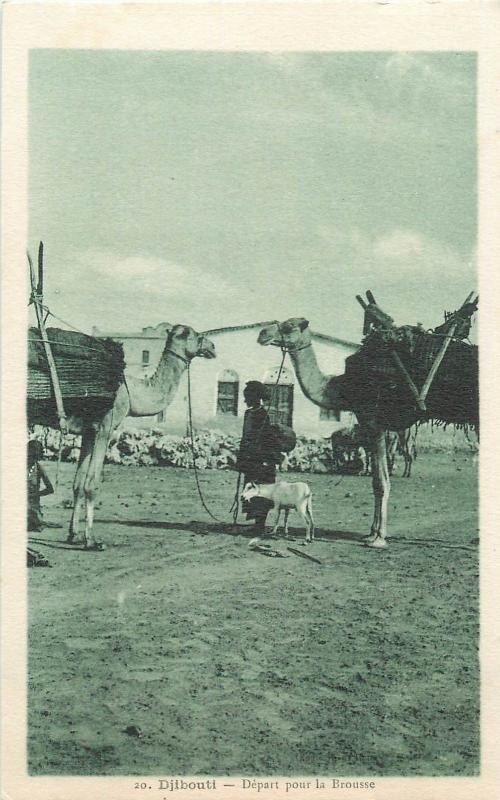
{"x": 89, "y": 372}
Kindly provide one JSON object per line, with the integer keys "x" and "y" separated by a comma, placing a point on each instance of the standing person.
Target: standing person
{"x": 256, "y": 458}
{"x": 36, "y": 475}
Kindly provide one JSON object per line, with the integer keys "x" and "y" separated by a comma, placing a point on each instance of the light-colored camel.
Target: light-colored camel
{"x": 134, "y": 398}
{"x": 336, "y": 392}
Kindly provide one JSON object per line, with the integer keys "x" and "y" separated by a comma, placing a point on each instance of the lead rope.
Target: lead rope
{"x": 191, "y": 436}
{"x": 235, "y": 504}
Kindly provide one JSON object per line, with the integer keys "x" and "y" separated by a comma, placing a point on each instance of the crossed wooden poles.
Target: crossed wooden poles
{"x": 377, "y": 319}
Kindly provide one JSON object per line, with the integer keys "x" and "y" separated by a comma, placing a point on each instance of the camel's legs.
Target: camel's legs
{"x": 88, "y": 439}
{"x": 381, "y": 489}
{"x": 94, "y": 473}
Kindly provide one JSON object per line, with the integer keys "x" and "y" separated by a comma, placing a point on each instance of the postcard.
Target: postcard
{"x": 249, "y": 334}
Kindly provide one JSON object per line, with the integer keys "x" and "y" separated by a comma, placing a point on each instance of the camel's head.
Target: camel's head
{"x": 292, "y": 334}
{"x": 187, "y": 343}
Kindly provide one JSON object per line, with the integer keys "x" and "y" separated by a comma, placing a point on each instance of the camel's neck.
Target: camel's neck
{"x": 321, "y": 389}
{"x": 165, "y": 380}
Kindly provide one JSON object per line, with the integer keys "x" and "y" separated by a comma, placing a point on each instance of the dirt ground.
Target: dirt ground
{"x": 219, "y": 660}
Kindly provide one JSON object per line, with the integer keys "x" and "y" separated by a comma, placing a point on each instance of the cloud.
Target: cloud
{"x": 113, "y": 292}
{"x": 417, "y": 274}
{"x": 400, "y": 65}
{"x": 152, "y": 274}
{"x": 448, "y": 79}
{"x": 399, "y": 245}
{"x": 401, "y": 249}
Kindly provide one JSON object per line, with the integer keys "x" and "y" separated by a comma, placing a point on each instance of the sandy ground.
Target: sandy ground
{"x": 229, "y": 662}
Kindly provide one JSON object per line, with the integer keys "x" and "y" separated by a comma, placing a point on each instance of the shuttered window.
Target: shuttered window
{"x": 281, "y": 406}
{"x": 227, "y": 398}
{"x": 329, "y": 413}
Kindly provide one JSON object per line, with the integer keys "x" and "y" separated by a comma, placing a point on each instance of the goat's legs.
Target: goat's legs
{"x": 287, "y": 513}
{"x": 310, "y": 518}
{"x": 305, "y": 512}
{"x": 277, "y": 520}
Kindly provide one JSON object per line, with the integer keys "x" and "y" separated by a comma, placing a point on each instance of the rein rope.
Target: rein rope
{"x": 191, "y": 437}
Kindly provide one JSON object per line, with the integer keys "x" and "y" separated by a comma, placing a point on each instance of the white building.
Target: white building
{"x": 217, "y": 385}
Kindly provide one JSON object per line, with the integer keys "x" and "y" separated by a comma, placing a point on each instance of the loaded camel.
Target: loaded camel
{"x": 135, "y": 397}
{"x": 380, "y": 407}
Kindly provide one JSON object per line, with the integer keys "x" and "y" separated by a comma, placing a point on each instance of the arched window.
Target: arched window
{"x": 228, "y": 386}
{"x": 329, "y": 413}
{"x": 281, "y": 405}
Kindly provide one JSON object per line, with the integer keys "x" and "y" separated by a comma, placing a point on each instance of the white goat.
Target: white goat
{"x": 285, "y": 496}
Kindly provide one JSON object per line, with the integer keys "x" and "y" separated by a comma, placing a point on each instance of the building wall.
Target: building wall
{"x": 238, "y": 352}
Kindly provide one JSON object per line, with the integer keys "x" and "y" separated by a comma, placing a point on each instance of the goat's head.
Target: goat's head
{"x": 250, "y": 490}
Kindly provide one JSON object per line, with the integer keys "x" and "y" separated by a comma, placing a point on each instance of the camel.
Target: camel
{"x": 376, "y": 413}
{"x": 135, "y": 397}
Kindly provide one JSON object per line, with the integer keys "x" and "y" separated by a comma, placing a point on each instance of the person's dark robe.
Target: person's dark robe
{"x": 257, "y": 460}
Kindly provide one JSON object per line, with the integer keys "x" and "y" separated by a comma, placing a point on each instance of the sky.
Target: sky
{"x": 225, "y": 188}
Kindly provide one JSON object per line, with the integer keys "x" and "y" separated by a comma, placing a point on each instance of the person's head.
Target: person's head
{"x": 35, "y": 451}
{"x": 254, "y": 392}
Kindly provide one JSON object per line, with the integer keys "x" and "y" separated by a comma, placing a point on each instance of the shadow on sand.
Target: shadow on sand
{"x": 58, "y": 544}
{"x": 229, "y": 529}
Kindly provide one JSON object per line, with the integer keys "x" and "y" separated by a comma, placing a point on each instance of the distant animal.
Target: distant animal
{"x": 401, "y": 443}
{"x": 398, "y": 443}
{"x": 286, "y": 496}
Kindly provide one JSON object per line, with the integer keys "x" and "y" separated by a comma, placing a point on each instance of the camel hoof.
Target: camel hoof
{"x": 95, "y": 546}
{"x": 378, "y": 543}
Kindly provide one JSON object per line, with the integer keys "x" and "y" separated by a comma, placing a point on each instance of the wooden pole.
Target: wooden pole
{"x": 437, "y": 361}
{"x": 409, "y": 382}
{"x": 40, "y": 271}
{"x": 37, "y": 302}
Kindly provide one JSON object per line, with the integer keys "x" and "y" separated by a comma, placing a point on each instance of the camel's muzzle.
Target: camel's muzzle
{"x": 268, "y": 336}
{"x": 207, "y": 348}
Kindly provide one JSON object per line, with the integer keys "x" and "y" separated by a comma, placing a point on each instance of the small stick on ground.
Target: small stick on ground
{"x": 304, "y": 555}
